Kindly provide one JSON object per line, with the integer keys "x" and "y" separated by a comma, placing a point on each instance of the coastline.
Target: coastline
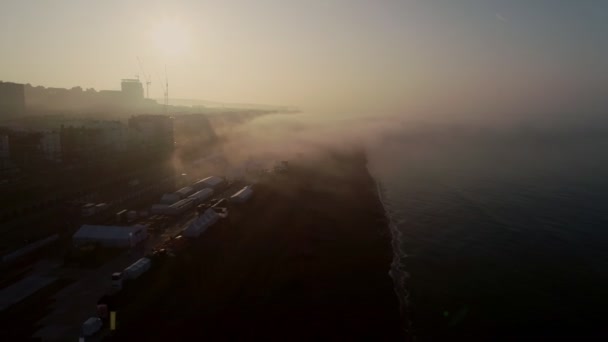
{"x": 397, "y": 268}
{"x": 307, "y": 258}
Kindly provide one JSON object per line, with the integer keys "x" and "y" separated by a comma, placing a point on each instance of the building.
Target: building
{"x": 50, "y": 143}
{"x": 110, "y": 98}
{"x": 192, "y": 126}
{"x": 113, "y": 135}
{"x": 152, "y": 134}
{"x": 12, "y": 99}
{"x": 79, "y": 143}
{"x": 196, "y": 136}
{"x": 92, "y": 139}
{"x": 41, "y": 100}
{"x": 6, "y": 165}
{"x": 110, "y": 236}
{"x": 132, "y": 90}
{"x": 4, "y": 147}
{"x": 25, "y": 148}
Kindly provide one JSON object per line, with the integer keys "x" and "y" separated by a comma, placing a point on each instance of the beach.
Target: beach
{"x": 307, "y": 258}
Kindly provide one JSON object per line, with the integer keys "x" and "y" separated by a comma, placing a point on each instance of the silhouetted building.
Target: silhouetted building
{"x": 152, "y": 134}
{"x": 132, "y": 90}
{"x": 129, "y": 99}
{"x": 5, "y": 162}
{"x": 4, "y": 147}
{"x": 195, "y": 127}
{"x": 92, "y": 140}
{"x": 195, "y": 135}
{"x": 50, "y": 143}
{"x": 78, "y": 143}
{"x": 25, "y": 148}
{"x": 110, "y": 97}
{"x": 12, "y": 99}
{"x": 28, "y": 148}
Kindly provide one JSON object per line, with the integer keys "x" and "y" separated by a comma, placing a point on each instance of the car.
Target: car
{"x": 91, "y": 326}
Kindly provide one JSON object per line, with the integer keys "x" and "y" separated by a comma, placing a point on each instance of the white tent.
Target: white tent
{"x": 185, "y": 192}
{"x": 110, "y": 236}
{"x": 180, "y": 207}
{"x": 159, "y": 209}
{"x": 170, "y": 198}
{"x": 242, "y": 195}
{"x": 210, "y": 182}
{"x": 200, "y": 225}
{"x": 202, "y": 195}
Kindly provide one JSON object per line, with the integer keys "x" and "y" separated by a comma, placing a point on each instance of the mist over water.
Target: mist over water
{"x": 504, "y": 230}
{"x": 501, "y": 227}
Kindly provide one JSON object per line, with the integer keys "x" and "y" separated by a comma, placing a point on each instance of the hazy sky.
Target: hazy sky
{"x": 420, "y": 56}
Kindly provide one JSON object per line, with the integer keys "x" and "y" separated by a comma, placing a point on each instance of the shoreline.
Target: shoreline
{"x": 307, "y": 258}
{"x": 397, "y": 268}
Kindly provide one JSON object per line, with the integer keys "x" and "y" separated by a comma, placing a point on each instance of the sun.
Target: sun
{"x": 171, "y": 37}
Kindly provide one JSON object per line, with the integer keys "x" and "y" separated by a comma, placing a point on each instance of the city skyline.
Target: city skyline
{"x": 408, "y": 56}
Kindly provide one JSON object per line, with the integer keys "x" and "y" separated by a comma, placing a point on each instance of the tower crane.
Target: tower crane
{"x": 146, "y": 77}
{"x": 165, "y": 87}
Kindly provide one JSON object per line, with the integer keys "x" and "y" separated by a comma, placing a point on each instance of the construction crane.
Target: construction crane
{"x": 166, "y": 90}
{"x": 165, "y": 87}
{"x": 146, "y": 77}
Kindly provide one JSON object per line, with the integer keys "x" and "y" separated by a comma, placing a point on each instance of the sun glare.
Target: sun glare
{"x": 171, "y": 37}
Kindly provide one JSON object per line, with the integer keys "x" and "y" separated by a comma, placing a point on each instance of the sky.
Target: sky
{"x": 433, "y": 56}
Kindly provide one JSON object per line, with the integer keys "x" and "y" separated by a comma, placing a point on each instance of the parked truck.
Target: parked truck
{"x": 136, "y": 269}
{"x": 132, "y": 272}
{"x": 91, "y": 326}
{"x": 121, "y": 216}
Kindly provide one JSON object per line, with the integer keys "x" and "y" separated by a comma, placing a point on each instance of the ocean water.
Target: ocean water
{"x": 498, "y": 236}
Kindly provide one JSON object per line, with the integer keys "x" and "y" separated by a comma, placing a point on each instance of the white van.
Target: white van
{"x": 91, "y": 326}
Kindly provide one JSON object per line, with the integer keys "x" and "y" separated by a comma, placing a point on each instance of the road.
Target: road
{"x": 77, "y": 302}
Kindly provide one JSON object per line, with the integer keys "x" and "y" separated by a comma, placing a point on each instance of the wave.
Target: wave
{"x": 397, "y": 270}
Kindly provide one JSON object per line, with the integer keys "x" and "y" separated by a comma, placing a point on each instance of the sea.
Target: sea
{"x": 497, "y": 233}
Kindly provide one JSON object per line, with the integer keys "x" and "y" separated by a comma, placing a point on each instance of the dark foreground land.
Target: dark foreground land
{"x": 307, "y": 258}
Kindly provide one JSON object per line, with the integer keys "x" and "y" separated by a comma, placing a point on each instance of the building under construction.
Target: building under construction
{"x": 12, "y": 99}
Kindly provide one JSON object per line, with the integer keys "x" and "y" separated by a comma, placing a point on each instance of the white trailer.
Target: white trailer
{"x": 185, "y": 192}
{"x": 242, "y": 195}
{"x": 159, "y": 209}
{"x": 137, "y": 269}
{"x": 88, "y": 209}
{"x": 110, "y": 236}
{"x": 213, "y": 182}
{"x": 170, "y": 198}
{"x": 180, "y": 207}
{"x": 201, "y": 196}
{"x": 101, "y": 207}
{"x": 200, "y": 225}
{"x": 121, "y": 216}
